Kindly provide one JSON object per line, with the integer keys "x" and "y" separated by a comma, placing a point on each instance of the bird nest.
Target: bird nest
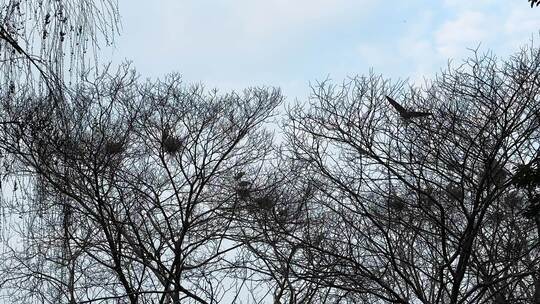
{"x": 512, "y": 200}
{"x": 515, "y": 247}
{"x": 425, "y": 199}
{"x": 243, "y": 190}
{"x": 454, "y": 191}
{"x": 395, "y": 203}
{"x": 265, "y": 202}
{"x": 495, "y": 174}
{"x": 171, "y": 144}
{"x": 114, "y": 147}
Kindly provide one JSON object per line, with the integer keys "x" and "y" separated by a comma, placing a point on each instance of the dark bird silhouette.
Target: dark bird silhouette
{"x": 404, "y": 113}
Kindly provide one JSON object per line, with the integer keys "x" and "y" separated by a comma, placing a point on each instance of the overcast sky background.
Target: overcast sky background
{"x": 233, "y": 44}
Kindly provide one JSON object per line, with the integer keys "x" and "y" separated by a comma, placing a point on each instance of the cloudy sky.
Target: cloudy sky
{"x": 232, "y": 44}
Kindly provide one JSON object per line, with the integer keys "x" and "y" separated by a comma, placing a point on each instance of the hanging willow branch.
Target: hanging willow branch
{"x": 43, "y": 34}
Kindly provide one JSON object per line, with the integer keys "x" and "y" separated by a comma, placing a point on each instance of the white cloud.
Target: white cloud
{"x": 205, "y": 33}
{"x": 242, "y": 42}
{"x": 521, "y": 23}
{"x": 500, "y": 26}
{"x": 241, "y": 21}
{"x": 410, "y": 55}
{"x": 271, "y": 17}
{"x": 468, "y": 30}
{"x": 469, "y": 4}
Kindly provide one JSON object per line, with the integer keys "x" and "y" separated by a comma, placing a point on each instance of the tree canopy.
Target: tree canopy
{"x": 148, "y": 192}
{"x": 117, "y": 190}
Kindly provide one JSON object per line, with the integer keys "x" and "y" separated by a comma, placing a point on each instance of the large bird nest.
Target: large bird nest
{"x": 396, "y": 203}
{"x": 170, "y": 143}
{"x": 265, "y": 202}
{"x": 114, "y": 147}
{"x": 243, "y": 190}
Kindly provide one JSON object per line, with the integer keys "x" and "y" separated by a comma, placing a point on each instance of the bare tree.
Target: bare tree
{"x": 118, "y": 191}
{"x": 422, "y": 209}
{"x": 274, "y": 217}
{"x": 145, "y": 176}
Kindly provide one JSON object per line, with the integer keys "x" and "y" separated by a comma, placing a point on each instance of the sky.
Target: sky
{"x": 234, "y": 44}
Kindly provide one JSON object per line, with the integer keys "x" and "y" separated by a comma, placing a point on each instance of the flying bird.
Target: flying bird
{"x": 404, "y": 113}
